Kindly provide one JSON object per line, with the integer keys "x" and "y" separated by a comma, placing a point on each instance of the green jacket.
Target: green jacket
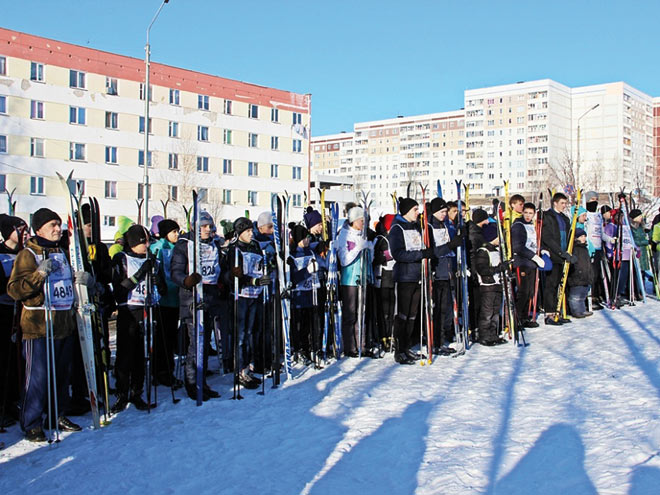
{"x": 641, "y": 241}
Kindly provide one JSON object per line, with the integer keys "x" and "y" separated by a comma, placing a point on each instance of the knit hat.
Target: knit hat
{"x": 604, "y": 209}
{"x": 312, "y": 217}
{"x": 86, "y": 213}
{"x": 406, "y": 204}
{"x": 205, "y": 218}
{"x": 227, "y": 227}
{"x": 579, "y": 232}
{"x": 591, "y": 196}
{"x": 241, "y": 224}
{"x": 438, "y": 204}
{"x": 298, "y": 233}
{"x": 155, "y": 220}
{"x": 479, "y": 215}
{"x": 8, "y": 224}
{"x": 387, "y": 221}
{"x": 264, "y": 218}
{"x": 135, "y": 235}
{"x": 489, "y": 231}
{"x": 636, "y": 213}
{"x": 166, "y": 226}
{"x": 42, "y": 216}
{"x": 355, "y": 213}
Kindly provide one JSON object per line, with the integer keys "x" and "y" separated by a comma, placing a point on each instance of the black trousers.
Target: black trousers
{"x": 165, "y": 340}
{"x": 525, "y": 278}
{"x": 408, "y": 296}
{"x": 489, "y": 312}
{"x": 349, "y": 319}
{"x": 552, "y": 280}
{"x": 443, "y": 312}
{"x": 129, "y": 363}
{"x": 597, "y": 287}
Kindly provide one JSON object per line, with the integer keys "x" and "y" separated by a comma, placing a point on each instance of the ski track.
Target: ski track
{"x": 575, "y": 412}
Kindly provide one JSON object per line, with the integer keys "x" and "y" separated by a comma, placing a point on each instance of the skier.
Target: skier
{"x": 594, "y": 228}
{"x": 210, "y": 266}
{"x": 641, "y": 241}
{"x": 42, "y": 265}
{"x": 580, "y": 276}
{"x": 383, "y": 266}
{"x": 263, "y": 234}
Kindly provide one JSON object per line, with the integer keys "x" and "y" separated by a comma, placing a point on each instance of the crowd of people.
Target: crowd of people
{"x": 381, "y": 287}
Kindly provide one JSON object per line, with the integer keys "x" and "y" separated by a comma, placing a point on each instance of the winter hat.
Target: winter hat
{"x": 590, "y": 196}
{"x": 580, "y": 211}
{"x": 135, "y": 235}
{"x": 227, "y": 227}
{"x": 406, "y": 204}
{"x": 592, "y": 206}
{"x": 604, "y": 209}
{"x": 489, "y": 231}
{"x": 579, "y": 233}
{"x": 387, "y": 221}
{"x": 42, "y": 216}
{"x": 155, "y": 220}
{"x": 635, "y": 214}
{"x": 479, "y": 215}
{"x": 312, "y": 217}
{"x": 166, "y": 226}
{"x": 205, "y": 218}
{"x": 86, "y": 213}
{"x": 265, "y": 218}
{"x": 8, "y": 224}
{"x": 438, "y": 204}
{"x": 355, "y": 213}
{"x": 241, "y": 224}
{"x": 298, "y": 233}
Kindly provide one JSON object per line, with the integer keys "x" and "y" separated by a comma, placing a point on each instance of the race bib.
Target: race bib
{"x": 441, "y": 237}
{"x": 209, "y": 263}
{"x": 60, "y": 284}
{"x": 138, "y": 295}
{"x": 412, "y": 240}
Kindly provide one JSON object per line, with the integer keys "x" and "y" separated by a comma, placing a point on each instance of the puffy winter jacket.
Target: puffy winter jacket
{"x": 405, "y": 245}
{"x": 580, "y": 273}
{"x": 523, "y": 243}
{"x": 444, "y": 245}
{"x": 163, "y": 250}
{"x": 554, "y": 237}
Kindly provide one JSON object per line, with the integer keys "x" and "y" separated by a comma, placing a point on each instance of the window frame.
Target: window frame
{"x": 203, "y": 102}
{"x": 35, "y": 106}
{"x": 175, "y": 97}
{"x": 34, "y": 143}
{"x": 110, "y": 189}
{"x": 111, "y": 86}
{"x": 37, "y": 185}
{"x": 203, "y": 133}
{"x": 77, "y": 79}
{"x": 38, "y": 75}
{"x": 73, "y": 151}
{"x": 75, "y": 114}
{"x": 204, "y": 161}
{"x": 111, "y": 120}
{"x": 227, "y": 166}
{"x": 109, "y": 151}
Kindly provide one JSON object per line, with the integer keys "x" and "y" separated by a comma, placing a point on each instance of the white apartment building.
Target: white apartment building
{"x": 64, "y": 107}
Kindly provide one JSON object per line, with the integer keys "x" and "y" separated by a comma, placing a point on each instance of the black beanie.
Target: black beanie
{"x": 42, "y": 216}
{"x": 166, "y": 226}
{"x": 635, "y": 213}
{"x": 604, "y": 209}
{"x": 135, "y": 235}
{"x": 8, "y": 224}
{"x": 406, "y": 204}
{"x": 479, "y": 215}
{"x": 438, "y": 204}
{"x": 489, "y": 231}
{"x": 312, "y": 217}
{"x": 592, "y": 206}
{"x": 298, "y": 233}
{"x": 241, "y": 224}
{"x": 86, "y": 213}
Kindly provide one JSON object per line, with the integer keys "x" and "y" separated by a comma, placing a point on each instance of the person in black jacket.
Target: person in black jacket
{"x": 384, "y": 281}
{"x": 554, "y": 239}
{"x": 525, "y": 261}
{"x": 489, "y": 270}
{"x": 408, "y": 251}
{"x": 580, "y": 276}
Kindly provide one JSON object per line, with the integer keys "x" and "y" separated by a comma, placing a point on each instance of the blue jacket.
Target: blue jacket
{"x": 405, "y": 246}
{"x": 444, "y": 244}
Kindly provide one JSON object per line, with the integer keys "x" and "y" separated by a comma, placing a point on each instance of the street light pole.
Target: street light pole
{"x": 579, "y": 163}
{"x": 146, "y": 93}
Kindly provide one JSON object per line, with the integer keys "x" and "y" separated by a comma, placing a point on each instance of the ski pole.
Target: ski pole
{"x": 237, "y": 383}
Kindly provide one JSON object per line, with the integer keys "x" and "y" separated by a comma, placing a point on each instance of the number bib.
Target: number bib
{"x": 252, "y": 264}
{"x": 440, "y": 236}
{"x": 138, "y": 295}
{"x": 209, "y": 263}
{"x": 530, "y": 241}
{"x": 412, "y": 240}
{"x": 60, "y": 283}
{"x": 311, "y": 282}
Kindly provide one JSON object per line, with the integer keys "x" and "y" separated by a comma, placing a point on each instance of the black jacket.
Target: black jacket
{"x": 484, "y": 268}
{"x": 119, "y": 275}
{"x": 580, "y": 273}
{"x": 444, "y": 254}
{"x": 408, "y": 266}
{"x": 551, "y": 237}
{"x": 522, "y": 255}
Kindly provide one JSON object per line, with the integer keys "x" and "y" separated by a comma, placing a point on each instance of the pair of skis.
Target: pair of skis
{"x": 461, "y": 256}
{"x": 427, "y": 286}
{"x": 279, "y": 211}
{"x": 364, "y": 274}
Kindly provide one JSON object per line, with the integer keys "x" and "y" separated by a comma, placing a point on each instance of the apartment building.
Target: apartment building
{"x": 65, "y": 107}
{"x": 656, "y": 146}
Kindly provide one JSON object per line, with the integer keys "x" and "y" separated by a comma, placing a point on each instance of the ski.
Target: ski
{"x": 427, "y": 284}
{"x": 633, "y": 249}
{"x": 279, "y": 206}
{"x": 364, "y": 275}
{"x": 461, "y": 256}
{"x": 194, "y": 262}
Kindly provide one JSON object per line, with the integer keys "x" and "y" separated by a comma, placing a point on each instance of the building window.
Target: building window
{"x": 77, "y": 151}
{"x": 202, "y": 102}
{"x": 253, "y": 111}
{"x": 109, "y": 221}
{"x": 36, "y": 72}
{"x": 110, "y": 189}
{"x": 274, "y": 143}
{"x": 297, "y": 118}
{"x": 37, "y": 147}
{"x": 297, "y": 145}
{"x": 3, "y": 182}
{"x": 151, "y": 92}
{"x": 174, "y": 96}
{"x": 141, "y": 126}
{"x": 226, "y": 136}
{"x": 227, "y": 107}
{"x": 174, "y": 129}
{"x": 252, "y": 198}
{"x": 273, "y": 170}
{"x": 36, "y": 109}
{"x": 226, "y": 166}
{"x": 37, "y": 185}
{"x": 77, "y": 115}
{"x": 297, "y": 173}
{"x": 3, "y": 144}
{"x": 140, "y": 191}
{"x": 253, "y": 140}
{"x": 3, "y": 104}
{"x": 111, "y": 120}
{"x": 297, "y": 200}
{"x": 253, "y": 169}
{"x": 202, "y": 163}
{"x": 76, "y": 79}
{"x": 111, "y": 85}
{"x": 173, "y": 161}
{"x": 111, "y": 154}
{"x": 226, "y": 196}
{"x": 174, "y": 193}
{"x": 202, "y": 133}
{"x": 3, "y": 66}
{"x": 274, "y": 115}
{"x": 141, "y": 158}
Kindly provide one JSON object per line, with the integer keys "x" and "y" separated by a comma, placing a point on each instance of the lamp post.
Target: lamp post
{"x": 147, "y": 95}
{"x": 577, "y": 186}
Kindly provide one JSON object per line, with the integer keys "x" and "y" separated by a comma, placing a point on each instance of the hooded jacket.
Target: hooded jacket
{"x": 406, "y": 247}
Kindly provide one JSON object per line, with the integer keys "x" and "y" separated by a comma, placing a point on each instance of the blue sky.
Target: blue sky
{"x": 367, "y": 60}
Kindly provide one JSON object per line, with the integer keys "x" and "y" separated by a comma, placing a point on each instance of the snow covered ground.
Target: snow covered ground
{"x": 576, "y": 412}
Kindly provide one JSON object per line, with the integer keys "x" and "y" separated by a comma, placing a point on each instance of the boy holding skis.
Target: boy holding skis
{"x": 580, "y": 276}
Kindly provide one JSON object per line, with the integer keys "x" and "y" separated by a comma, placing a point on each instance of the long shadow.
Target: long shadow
{"x": 649, "y": 369}
{"x": 645, "y": 480}
{"x": 554, "y": 465}
{"x": 643, "y": 327}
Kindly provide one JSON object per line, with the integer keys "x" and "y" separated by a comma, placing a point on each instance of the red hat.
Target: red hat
{"x": 387, "y": 221}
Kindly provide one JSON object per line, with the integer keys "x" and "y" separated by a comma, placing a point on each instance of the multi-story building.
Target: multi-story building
{"x": 656, "y": 147}
{"x": 65, "y": 107}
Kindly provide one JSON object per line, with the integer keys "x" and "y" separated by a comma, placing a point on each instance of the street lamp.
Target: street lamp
{"x": 577, "y": 186}
{"x": 146, "y": 94}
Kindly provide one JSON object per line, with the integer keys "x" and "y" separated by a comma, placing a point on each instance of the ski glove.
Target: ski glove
{"x": 538, "y": 260}
{"x": 47, "y": 266}
{"x": 427, "y": 253}
{"x": 261, "y": 281}
{"x": 192, "y": 280}
{"x": 146, "y": 267}
{"x": 86, "y": 279}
